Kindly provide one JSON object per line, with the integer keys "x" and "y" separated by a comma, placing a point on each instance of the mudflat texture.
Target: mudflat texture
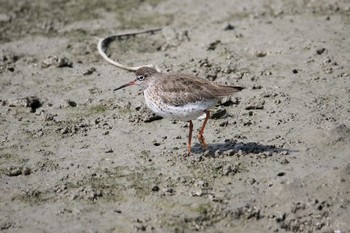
{"x": 77, "y": 157}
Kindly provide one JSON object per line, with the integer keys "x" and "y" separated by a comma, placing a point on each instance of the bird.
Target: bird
{"x": 178, "y": 96}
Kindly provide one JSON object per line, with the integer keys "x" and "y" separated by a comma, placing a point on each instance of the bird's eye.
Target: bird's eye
{"x": 140, "y": 77}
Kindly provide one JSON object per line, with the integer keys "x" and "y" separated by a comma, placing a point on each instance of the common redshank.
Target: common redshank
{"x": 180, "y": 96}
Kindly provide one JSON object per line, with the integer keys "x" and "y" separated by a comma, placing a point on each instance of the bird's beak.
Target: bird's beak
{"x": 126, "y": 85}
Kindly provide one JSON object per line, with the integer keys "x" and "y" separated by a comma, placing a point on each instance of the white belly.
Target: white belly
{"x": 190, "y": 111}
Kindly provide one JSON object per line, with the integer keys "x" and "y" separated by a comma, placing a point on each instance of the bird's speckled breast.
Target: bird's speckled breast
{"x": 190, "y": 111}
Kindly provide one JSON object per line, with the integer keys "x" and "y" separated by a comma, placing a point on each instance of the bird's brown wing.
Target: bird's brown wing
{"x": 180, "y": 89}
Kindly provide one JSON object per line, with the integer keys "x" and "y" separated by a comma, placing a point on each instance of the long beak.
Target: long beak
{"x": 125, "y": 85}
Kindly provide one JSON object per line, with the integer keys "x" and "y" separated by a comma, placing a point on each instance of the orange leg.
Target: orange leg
{"x": 200, "y": 135}
{"x": 190, "y": 137}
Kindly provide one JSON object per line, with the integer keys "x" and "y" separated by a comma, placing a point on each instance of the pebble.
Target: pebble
{"x": 228, "y": 169}
{"x": 281, "y": 174}
{"x": 197, "y": 193}
{"x": 64, "y": 130}
{"x": 319, "y": 51}
{"x": 89, "y": 71}
{"x": 156, "y": 143}
{"x": 228, "y": 27}
{"x": 251, "y": 181}
{"x": 219, "y": 113}
{"x": 26, "y": 171}
{"x": 260, "y": 53}
{"x": 31, "y": 101}
{"x": 212, "y": 45}
{"x": 14, "y": 172}
{"x": 151, "y": 117}
{"x": 56, "y": 61}
{"x": 284, "y": 161}
{"x": 229, "y": 100}
{"x": 255, "y": 105}
{"x": 109, "y": 151}
{"x": 224, "y": 124}
{"x": 155, "y": 188}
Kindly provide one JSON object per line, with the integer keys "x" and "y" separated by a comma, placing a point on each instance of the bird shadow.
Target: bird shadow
{"x": 232, "y": 147}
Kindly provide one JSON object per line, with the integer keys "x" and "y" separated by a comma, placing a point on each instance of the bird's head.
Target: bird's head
{"x": 143, "y": 78}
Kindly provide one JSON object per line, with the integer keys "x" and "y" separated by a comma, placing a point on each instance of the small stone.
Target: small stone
{"x": 228, "y": 27}
{"x": 254, "y": 104}
{"x": 284, "y": 161}
{"x": 65, "y": 130}
{"x": 238, "y": 75}
{"x": 319, "y": 51}
{"x": 201, "y": 183}
{"x": 284, "y": 153}
{"x": 218, "y": 113}
{"x": 213, "y": 45}
{"x": 229, "y": 152}
{"x": 170, "y": 190}
{"x": 109, "y": 151}
{"x": 256, "y": 87}
{"x": 267, "y": 153}
{"x": 251, "y": 181}
{"x": 281, "y": 217}
{"x": 26, "y": 171}
{"x": 197, "y": 193}
{"x": 156, "y": 143}
{"x": 14, "y": 171}
{"x": 105, "y": 133}
{"x": 223, "y": 124}
{"x": 31, "y": 101}
{"x": 229, "y": 169}
{"x": 228, "y": 101}
{"x": 151, "y": 117}
{"x": 56, "y": 61}
{"x": 155, "y": 188}
{"x": 49, "y": 116}
{"x": 89, "y": 71}
{"x": 211, "y": 75}
{"x": 281, "y": 174}
{"x": 71, "y": 103}
{"x": 260, "y": 53}
{"x": 213, "y": 198}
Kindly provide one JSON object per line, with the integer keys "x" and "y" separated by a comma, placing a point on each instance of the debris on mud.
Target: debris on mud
{"x": 56, "y": 61}
{"x": 32, "y": 102}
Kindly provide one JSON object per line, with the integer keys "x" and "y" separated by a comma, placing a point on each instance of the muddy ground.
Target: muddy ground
{"x": 77, "y": 157}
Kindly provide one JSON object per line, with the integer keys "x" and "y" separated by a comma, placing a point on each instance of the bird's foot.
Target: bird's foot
{"x": 202, "y": 141}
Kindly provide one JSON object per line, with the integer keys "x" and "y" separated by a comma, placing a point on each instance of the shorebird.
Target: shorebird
{"x": 180, "y": 96}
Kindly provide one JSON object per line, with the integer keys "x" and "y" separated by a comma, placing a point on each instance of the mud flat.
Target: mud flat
{"x": 76, "y": 157}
